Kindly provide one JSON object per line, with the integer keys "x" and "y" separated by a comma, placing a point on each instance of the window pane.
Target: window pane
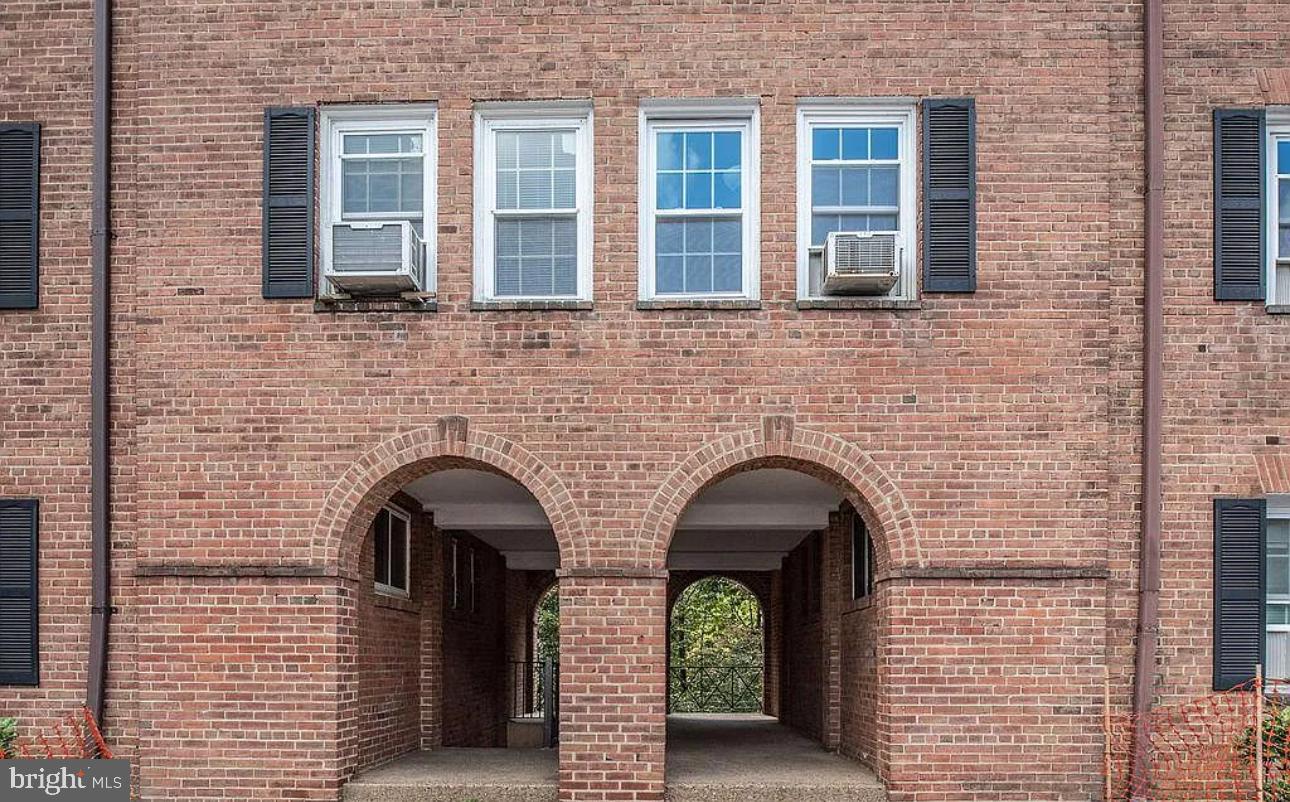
{"x": 381, "y": 539}
{"x": 1278, "y": 614}
{"x": 698, "y": 190}
{"x": 535, "y": 189}
{"x": 727, "y": 236}
{"x": 826, "y": 186}
{"x": 669, "y": 190}
{"x": 382, "y": 185}
{"x": 855, "y": 186}
{"x": 881, "y": 222}
{"x": 353, "y": 189}
{"x": 566, "y": 150}
{"x": 727, "y": 149}
{"x": 535, "y": 148}
{"x": 381, "y": 143}
{"x": 821, "y": 225}
{"x": 564, "y": 189}
{"x": 507, "y": 189}
{"x": 884, "y": 143}
{"x": 1283, "y": 156}
{"x": 1283, "y": 199}
{"x": 698, "y": 274}
{"x": 398, "y": 553}
{"x": 671, "y": 274}
{"x": 507, "y": 145}
{"x": 727, "y": 274}
{"x": 670, "y": 237}
{"x": 727, "y": 193}
{"x": 382, "y": 192}
{"x": 698, "y": 151}
{"x": 855, "y": 143}
{"x": 670, "y": 147}
{"x": 825, "y": 143}
{"x": 1283, "y": 246}
{"x": 1278, "y": 557}
{"x": 884, "y": 186}
{"x": 698, "y": 236}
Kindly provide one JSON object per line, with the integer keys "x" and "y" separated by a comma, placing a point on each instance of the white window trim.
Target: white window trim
{"x": 528, "y": 116}
{"x": 900, "y": 112}
{"x": 1277, "y": 125}
{"x": 422, "y": 118}
{"x": 390, "y": 590}
{"x": 702, "y": 113}
{"x": 1278, "y": 508}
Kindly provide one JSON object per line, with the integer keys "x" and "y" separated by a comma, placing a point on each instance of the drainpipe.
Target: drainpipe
{"x": 100, "y": 361}
{"x": 1148, "y": 631}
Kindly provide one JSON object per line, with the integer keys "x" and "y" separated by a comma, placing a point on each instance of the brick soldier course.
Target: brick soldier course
{"x": 990, "y": 440}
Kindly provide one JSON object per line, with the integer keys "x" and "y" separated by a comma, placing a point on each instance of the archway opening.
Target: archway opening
{"x": 452, "y": 684}
{"x": 716, "y": 649}
{"x": 767, "y": 624}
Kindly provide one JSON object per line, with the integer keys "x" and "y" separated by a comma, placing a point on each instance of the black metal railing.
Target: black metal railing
{"x": 694, "y": 688}
{"x": 535, "y": 694}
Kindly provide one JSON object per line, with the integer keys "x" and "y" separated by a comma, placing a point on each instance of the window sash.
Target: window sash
{"x": 384, "y": 533}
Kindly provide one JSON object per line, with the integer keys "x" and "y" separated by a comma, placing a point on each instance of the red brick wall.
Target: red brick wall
{"x": 860, "y": 688}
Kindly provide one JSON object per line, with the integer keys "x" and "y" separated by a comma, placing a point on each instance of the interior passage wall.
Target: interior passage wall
{"x": 474, "y": 642}
{"x": 801, "y": 683}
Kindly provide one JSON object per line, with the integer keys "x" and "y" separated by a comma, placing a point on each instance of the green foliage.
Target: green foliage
{"x": 716, "y": 650}
{"x": 1276, "y": 753}
{"x": 8, "y": 735}
{"x": 548, "y": 626}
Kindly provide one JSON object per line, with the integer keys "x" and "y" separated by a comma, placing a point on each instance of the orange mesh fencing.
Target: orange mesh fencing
{"x": 1207, "y": 749}
{"x": 75, "y": 737}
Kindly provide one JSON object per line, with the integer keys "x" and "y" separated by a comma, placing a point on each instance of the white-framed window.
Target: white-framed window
{"x": 862, "y": 559}
{"x": 1277, "y": 566}
{"x": 392, "y": 541}
{"x": 856, "y": 172}
{"x": 378, "y": 165}
{"x": 699, "y": 199}
{"x": 1278, "y": 194}
{"x": 533, "y": 201}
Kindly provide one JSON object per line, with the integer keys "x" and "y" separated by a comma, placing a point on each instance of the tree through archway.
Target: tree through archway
{"x": 717, "y": 647}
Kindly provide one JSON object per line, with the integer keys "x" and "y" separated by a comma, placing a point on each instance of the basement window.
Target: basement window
{"x": 392, "y": 538}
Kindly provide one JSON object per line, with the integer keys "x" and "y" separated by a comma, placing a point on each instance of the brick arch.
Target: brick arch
{"x": 374, "y": 477}
{"x": 778, "y": 443}
{"x": 745, "y": 579}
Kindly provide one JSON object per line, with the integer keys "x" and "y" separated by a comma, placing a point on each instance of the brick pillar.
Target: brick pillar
{"x": 612, "y": 684}
{"x": 774, "y": 615}
{"x": 432, "y": 664}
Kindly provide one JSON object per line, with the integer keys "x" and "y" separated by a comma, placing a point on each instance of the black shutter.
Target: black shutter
{"x": 289, "y": 203}
{"x": 949, "y": 195}
{"x": 1238, "y": 205}
{"x": 18, "y": 609}
{"x": 19, "y": 215}
{"x": 1239, "y": 536}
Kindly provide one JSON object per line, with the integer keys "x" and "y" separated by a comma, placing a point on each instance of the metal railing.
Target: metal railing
{"x": 696, "y": 688}
{"x": 535, "y": 694}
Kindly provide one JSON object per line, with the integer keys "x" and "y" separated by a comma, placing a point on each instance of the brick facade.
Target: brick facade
{"x": 991, "y": 440}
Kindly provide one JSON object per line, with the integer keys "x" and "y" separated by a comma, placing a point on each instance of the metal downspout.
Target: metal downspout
{"x": 1148, "y": 629}
{"x": 100, "y": 362}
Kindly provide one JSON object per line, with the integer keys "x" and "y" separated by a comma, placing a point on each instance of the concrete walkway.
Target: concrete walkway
{"x": 709, "y": 759}
{"x": 748, "y": 757}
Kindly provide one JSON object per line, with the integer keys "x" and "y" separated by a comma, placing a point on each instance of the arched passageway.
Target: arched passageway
{"x": 773, "y": 609}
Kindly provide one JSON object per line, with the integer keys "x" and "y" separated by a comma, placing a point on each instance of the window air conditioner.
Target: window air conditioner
{"x": 386, "y": 257}
{"x": 860, "y": 263}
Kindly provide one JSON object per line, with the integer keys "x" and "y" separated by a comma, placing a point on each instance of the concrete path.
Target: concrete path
{"x": 749, "y": 757}
{"x": 709, "y": 759}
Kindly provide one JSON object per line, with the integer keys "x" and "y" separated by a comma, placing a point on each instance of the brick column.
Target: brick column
{"x": 832, "y": 561}
{"x": 612, "y": 684}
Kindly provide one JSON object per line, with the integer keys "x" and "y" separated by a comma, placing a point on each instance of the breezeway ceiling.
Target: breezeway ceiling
{"x": 745, "y": 523}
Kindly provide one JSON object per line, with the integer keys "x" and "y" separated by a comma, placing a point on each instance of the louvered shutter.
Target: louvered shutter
{"x": 1239, "y": 536}
{"x": 949, "y": 195}
{"x": 19, "y": 215}
{"x": 1238, "y": 205}
{"x": 18, "y": 609}
{"x": 288, "y": 203}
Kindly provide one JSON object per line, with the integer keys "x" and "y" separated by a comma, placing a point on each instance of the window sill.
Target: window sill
{"x": 396, "y": 601}
{"x": 361, "y": 305}
{"x": 531, "y": 306}
{"x": 1279, "y": 309}
{"x": 724, "y": 304}
{"x": 858, "y": 303}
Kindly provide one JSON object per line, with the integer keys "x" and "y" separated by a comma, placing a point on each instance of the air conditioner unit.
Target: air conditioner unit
{"x": 857, "y": 263}
{"x": 377, "y": 258}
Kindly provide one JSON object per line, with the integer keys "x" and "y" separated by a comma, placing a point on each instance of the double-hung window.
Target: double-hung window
{"x": 1278, "y": 276}
{"x": 855, "y": 173}
{"x": 392, "y": 540}
{"x": 1277, "y": 565}
{"x": 533, "y": 201}
{"x": 378, "y": 175}
{"x": 699, "y": 200}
